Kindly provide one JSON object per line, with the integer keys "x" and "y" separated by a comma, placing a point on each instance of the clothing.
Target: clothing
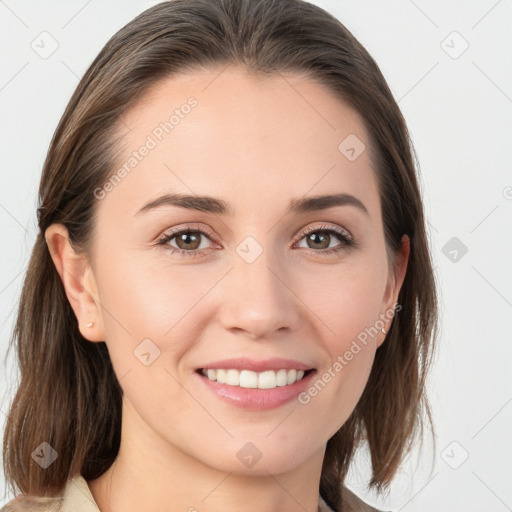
{"x": 77, "y": 497}
{"x": 350, "y": 503}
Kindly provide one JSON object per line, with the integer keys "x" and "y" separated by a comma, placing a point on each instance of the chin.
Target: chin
{"x": 258, "y": 457}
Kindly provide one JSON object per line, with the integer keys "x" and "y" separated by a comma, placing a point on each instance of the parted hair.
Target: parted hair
{"x": 68, "y": 394}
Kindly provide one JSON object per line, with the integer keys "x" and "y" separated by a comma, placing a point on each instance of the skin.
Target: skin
{"x": 256, "y": 144}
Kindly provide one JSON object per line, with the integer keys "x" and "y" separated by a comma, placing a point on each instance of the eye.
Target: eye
{"x": 319, "y": 239}
{"x": 188, "y": 241}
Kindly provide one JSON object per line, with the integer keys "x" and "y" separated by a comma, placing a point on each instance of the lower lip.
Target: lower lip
{"x": 255, "y": 398}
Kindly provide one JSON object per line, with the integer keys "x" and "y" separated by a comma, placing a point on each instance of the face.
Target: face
{"x": 262, "y": 276}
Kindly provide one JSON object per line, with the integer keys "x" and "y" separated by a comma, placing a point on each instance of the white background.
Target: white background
{"x": 459, "y": 113}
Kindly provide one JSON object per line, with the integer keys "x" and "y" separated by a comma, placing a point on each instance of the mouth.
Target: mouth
{"x": 253, "y": 384}
{"x": 256, "y": 391}
{"x": 268, "y": 379}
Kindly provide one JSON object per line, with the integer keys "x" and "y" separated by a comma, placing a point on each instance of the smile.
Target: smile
{"x": 268, "y": 379}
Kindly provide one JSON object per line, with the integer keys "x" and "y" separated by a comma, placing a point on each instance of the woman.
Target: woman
{"x": 231, "y": 289}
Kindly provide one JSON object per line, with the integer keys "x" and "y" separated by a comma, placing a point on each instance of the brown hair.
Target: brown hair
{"x": 69, "y": 395}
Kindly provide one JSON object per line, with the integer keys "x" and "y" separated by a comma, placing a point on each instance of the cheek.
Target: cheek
{"x": 350, "y": 350}
{"x": 348, "y": 303}
{"x": 347, "y": 299}
{"x": 334, "y": 393}
{"x": 150, "y": 322}
{"x": 141, "y": 302}
{"x": 144, "y": 298}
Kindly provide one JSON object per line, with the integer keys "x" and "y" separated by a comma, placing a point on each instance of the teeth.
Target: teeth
{"x": 248, "y": 379}
{"x": 221, "y": 376}
{"x": 232, "y": 377}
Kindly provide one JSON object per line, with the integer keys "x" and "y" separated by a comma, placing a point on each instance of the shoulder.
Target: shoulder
{"x": 353, "y": 503}
{"x": 76, "y": 497}
{"x": 350, "y": 503}
{"x": 32, "y": 504}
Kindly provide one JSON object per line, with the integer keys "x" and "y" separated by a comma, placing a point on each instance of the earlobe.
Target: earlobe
{"x": 78, "y": 281}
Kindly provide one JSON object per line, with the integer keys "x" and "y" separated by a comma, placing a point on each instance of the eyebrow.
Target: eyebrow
{"x": 213, "y": 205}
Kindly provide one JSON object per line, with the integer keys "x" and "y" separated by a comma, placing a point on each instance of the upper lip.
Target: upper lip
{"x": 243, "y": 363}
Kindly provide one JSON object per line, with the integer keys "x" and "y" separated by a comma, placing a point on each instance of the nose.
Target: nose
{"x": 259, "y": 298}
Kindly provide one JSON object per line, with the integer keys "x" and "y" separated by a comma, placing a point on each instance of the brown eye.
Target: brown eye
{"x": 190, "y": 240}
{"x": 187, "y": 242}
{"x": 319, "y": 240}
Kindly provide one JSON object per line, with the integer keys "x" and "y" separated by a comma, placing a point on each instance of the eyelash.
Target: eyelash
{"x": 345, "y": 238}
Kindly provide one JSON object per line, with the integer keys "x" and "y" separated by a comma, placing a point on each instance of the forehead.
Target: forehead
{"x": 229, "y": 134}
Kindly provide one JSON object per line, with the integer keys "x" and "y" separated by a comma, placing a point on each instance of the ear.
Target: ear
{"x": 78, "y": 281}
{"x": 394, "y": 284}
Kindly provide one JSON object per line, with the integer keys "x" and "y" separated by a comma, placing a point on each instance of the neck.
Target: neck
{"x": 149, "y": 473}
